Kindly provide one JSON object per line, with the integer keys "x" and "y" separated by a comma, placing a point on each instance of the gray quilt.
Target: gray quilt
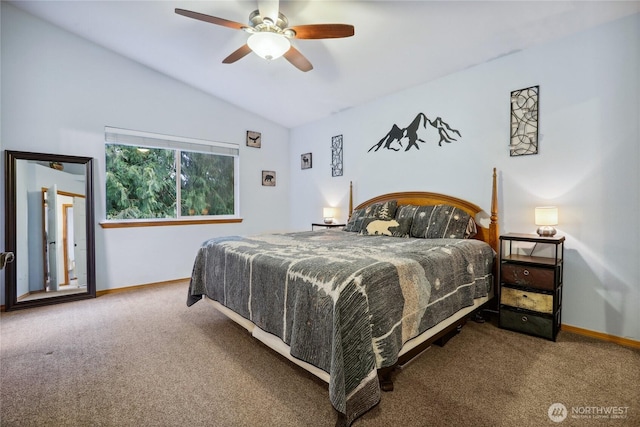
{"x": 344, "y": 302}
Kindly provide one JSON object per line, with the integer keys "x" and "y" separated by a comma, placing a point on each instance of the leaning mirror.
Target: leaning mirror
{"x": 50, "y": 229}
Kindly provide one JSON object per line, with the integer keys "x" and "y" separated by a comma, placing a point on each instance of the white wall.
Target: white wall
{"x": 58, "y": 93}
{"x": 587, "y": 164}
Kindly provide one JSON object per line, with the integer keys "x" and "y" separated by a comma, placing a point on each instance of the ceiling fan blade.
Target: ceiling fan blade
{"x": 323, "y": 31}
{"x": 211, "y": 19}
{"x": 238, "y": 54}
{"x": 269, "y": 9}
{"x": 298, "y": 60}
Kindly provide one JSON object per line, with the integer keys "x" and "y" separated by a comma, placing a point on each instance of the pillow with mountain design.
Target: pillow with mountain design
{"x": 442, "y": 222}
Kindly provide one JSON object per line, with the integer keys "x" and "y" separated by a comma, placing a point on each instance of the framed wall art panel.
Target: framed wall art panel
{"x": 524, "y": 121}
{"x": 336, "y": 155}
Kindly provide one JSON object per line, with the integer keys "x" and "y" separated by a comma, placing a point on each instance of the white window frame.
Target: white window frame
{"x": 136, "y": 138}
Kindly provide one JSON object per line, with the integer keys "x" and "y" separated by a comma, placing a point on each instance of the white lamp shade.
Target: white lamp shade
{"x": 546, "y": 215}
{"x": 269, "y": 45}
{"x": 328, "y": 212}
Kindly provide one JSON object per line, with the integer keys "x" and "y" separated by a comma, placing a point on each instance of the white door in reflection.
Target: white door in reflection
{"x": 52, "y": 236}
{"x": 80, "y": 239}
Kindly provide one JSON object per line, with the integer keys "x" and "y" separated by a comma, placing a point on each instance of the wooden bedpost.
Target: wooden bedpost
{"x": 493, "y": 227}
{"x": 350, "y": 198}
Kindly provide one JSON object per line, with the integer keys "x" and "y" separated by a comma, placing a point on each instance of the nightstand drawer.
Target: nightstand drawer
{"x": 534, "y": 301}
{"x": 524, "y": 275}
{"x": 528, "y": 323}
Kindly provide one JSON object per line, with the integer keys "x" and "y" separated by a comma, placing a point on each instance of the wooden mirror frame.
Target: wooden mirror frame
{"x": 11, "y": 158}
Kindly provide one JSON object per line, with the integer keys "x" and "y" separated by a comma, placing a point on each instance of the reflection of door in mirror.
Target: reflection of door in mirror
{"x": 51, "y": 231}
{"x": 49, "y": 227}
{"x": 67, "y": 238}
{"x": 80, "y": 239}
{"x": 65, "y": 234}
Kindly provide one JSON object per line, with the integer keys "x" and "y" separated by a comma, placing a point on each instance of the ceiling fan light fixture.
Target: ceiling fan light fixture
{"x": 269, "y": 34}
{"x": 269, "y": 45}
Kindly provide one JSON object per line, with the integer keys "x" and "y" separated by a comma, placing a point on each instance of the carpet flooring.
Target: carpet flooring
{"x": 142, "y": 358}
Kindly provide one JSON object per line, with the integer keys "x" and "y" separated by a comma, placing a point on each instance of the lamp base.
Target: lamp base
{"x": 546, "y": 231}
{"x": 328, "y": 220}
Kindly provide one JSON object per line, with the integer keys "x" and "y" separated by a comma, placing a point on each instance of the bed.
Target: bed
{"x": 351, "y": 305}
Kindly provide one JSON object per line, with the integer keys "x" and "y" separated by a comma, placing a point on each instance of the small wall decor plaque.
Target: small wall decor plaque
{"x": 254, "y": 139}
{"x": 306, "y": 161}
{"x": 524, "y": 121}
{"x": 269, "y": 178}
{"x": 336, "y": 155}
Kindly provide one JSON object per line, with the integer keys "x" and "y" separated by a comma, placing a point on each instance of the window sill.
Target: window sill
{"x": 167, "y": 222}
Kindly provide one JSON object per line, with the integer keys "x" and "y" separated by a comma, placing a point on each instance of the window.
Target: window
{"x": 151, "y": 176}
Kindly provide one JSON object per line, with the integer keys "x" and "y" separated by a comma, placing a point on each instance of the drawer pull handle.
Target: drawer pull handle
{"x": 525, "y": 272}
{"x": 524, "y": 319}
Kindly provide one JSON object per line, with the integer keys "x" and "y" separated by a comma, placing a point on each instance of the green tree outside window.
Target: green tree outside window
{"x": 206, "y": 184}
{"x": 141, "y": 183}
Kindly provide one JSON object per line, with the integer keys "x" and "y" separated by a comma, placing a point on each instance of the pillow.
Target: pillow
{"x": 421, "y": 220}
{"x": 404, "y": 217}
{"x": 381, "y": 211}
{"x": 442, "y": 222}
{"x": 355, "y": 222}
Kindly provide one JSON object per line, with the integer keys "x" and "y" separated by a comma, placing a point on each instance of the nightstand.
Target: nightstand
{"x": 322, "y": 224}
{"x": 530, "y": 278}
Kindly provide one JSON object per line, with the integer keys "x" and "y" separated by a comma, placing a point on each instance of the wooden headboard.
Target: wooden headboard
{"x": 421, "y": 198}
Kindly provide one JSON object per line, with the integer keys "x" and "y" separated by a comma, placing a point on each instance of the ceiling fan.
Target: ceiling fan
{"x": 270, "y": 34}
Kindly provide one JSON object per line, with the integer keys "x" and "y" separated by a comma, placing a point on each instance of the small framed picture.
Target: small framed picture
{"x": 254, "y": 139}
{"x": 269, "y": 178}
{"x": 306, "y": 161}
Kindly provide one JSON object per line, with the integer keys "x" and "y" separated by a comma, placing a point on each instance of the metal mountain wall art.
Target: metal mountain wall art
{"x": 421, "y": 130}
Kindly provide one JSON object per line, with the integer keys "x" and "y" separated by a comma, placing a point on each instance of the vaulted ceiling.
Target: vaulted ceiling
{"x": 397, "y": 44}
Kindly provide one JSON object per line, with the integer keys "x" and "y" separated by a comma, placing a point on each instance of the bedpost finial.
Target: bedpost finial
{"x": 350, "y": 198}
{"x": 494, "y": 197}
{"x": 493, "y": 227}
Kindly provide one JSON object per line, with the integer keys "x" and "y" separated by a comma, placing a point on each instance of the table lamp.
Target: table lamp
{"x": 328, "y": 214}
{"x": 546, "y": 217}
